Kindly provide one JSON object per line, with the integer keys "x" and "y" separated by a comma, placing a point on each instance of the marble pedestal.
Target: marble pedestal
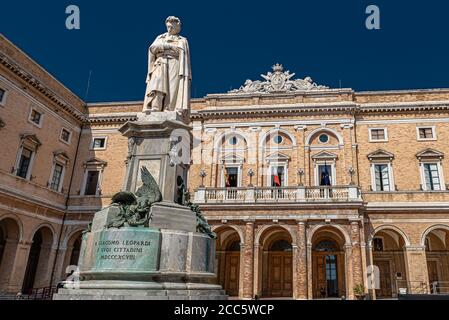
{"x": 145, "y": 263}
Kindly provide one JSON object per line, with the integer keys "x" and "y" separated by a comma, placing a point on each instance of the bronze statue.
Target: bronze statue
{"x": 135, "y": 209}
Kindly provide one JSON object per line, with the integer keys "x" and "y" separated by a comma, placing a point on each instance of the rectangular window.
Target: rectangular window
{"x": 65, "y": 135}
{"x": 382, "y": 177}
{"x": 231, "y": 177}
{"x": 426, "y": 133}
{"x": 277, "y": 176}
{"x": 92, "y": 183}
{"x": 378, "y": 244}
{"x": 35, "y": 117}
{"x": 99, "y": 143}
{"x": 2, "y": 96}
{"x": 378, "y": 135}
{"x": 24, "y": 163}
{"x": 57, "y": 176}
{"x": 432, "y": 176}
{"x": 325, "y": 175}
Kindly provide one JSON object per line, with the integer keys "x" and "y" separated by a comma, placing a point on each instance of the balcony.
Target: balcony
{"x": 298, "y": 194}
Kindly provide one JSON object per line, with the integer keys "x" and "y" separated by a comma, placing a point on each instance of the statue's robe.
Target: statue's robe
{"x": 169, "y": 74}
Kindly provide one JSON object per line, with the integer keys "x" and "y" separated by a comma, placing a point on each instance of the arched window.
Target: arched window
{"x": 326, "y": 246}
{"x": 281, "y": 245}
{"x": 235, "y": 246}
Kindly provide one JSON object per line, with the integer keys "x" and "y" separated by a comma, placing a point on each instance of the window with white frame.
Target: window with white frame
{"x": 24, "y": 165}
{"x": 36, "y": 117}
{"x": 98, "y": 143}
{"x": 381, "y": 171}
{"x": 426, "y": 133}
{"x": 66, "y": 136}
{"x": 25, "y": 157}
{"x": 92, "y": 179}
{"x": 3, "y": 95}
{"x": 93, "y": 173}
{"x": 431, "y": 176}
{"x": 55, "y": 183}
{"x": 232, "y": 176}
{"x": 232, "y": 171}
{"x": 431, "y": 170}
{"x": 378, "y": 134}
{"x": 277, "y": 175}
{"x": 382, "y": 181}
{"x": 325, "y": 169}
{"x": 57, "y": 176}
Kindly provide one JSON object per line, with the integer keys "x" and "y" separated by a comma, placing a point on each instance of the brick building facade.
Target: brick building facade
{"x": 306, "y": 189}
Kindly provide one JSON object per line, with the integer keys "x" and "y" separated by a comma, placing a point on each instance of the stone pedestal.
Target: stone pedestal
{"x": 167, "y": 259}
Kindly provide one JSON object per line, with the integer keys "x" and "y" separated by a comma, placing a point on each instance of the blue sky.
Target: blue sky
{"x": 232, "y": 41}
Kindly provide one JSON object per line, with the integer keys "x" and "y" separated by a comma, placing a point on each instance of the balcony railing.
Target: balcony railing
{"x": 278, "y": 194}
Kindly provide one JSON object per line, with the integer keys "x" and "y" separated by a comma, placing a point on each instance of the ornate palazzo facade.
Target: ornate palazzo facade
{"x": 312, "y": 191}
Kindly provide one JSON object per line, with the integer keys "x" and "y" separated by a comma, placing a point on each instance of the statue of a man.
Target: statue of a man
{"x": 169, "y": 71}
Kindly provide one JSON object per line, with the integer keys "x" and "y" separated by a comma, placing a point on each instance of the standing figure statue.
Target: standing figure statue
{"x": 169, "y": 71}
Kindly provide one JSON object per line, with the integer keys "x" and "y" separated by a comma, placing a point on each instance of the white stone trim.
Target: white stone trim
{"x": 434, "y": 133}
{"x": 61, "y": 181}
{"x": 440, "y": 174}
{"x": 390, "y": 175}
{"x": 42, "y": 115}
{"x": 316, "y": 165}
{"x": 378, "y": 128}
{"x": 324, "y": 129}
{"x": 70, "y": 136}
{"x": 98, "y": 137}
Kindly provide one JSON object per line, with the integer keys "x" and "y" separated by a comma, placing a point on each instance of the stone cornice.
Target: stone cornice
{"x": 239, "y": 112}
{"x": 112, "y": 118}
{"x": 42, "y": 88}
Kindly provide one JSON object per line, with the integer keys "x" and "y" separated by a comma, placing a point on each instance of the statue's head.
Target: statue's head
{"x": 173, "y": 25}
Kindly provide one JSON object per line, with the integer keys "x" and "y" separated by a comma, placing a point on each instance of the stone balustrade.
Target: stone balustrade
{"x": 278, "y": 194}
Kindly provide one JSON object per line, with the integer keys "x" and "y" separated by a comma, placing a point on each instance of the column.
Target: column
{"x": 356, "y": 254}
{"x": 257, "y": 274}
{"x": 372, "y": 278}
{"x": 19, "y": 267}
{"x": 247, "y": 271}
{"x": 301, "y": 281}
{"x": 309, "y": 271}
{"x": 349, "y": 272}
{"x": 416, "y": 267}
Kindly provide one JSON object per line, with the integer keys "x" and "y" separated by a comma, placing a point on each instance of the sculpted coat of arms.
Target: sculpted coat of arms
{"x": 278, "y": 81}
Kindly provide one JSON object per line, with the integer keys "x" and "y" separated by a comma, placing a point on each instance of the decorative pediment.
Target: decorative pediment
{"x": 430, "y": 154}
{"x": 61, "y": 156}
{"x": 30, "y": 140}
{"x": 278, "y": 81}
{"x": 95, "y": 162}
{"x": 324, "y": 155}
{"x": 232, "y": 158}
{"x": 277, "y": 156}
{"x": 381, "y": 155}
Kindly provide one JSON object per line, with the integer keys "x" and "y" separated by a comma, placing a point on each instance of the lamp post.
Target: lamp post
{"x": 203, "y": 174}
{"x": 251, "y": 175}
{"x": 300, "y": 174}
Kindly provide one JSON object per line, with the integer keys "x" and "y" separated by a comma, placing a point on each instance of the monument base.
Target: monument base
{"x": 129, "y": 290}
{"x": 145, "y": 263}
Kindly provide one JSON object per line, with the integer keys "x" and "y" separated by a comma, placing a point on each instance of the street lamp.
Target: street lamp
{"x": 300, "y": 174}
{"x": 203, "y": 174}
{"x": 351, "y": 173}
{"x": 250, "y": 175}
